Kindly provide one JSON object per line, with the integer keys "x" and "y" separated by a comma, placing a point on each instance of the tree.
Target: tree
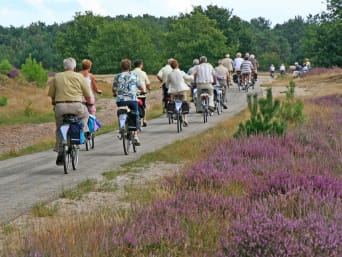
{"x": 193, "y": 36}
{"x": 73, "y": 41}
{"x": 119, "y": 40}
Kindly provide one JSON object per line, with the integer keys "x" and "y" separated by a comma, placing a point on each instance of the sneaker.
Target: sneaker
{"x": 59, "y": 160}
{"x": 136, "y": 141}
{"x": 185, "y": 124}
{"x": 224, "y": 106}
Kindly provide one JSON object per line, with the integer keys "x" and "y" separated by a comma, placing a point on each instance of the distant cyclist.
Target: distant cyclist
{"x": 222, "y": 75}
{"x": 66, "y": 91}
{"x": 246, "y": 69}
{"x": 125, "y": 87}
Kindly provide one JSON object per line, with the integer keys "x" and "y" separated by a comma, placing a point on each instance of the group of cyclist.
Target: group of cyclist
{"x": 73, "y": 92}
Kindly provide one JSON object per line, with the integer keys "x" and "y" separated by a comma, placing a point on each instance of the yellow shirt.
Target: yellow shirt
{"x": 68, "y": 86}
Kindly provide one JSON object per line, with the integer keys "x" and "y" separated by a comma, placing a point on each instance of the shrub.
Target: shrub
{"x": 291, "y": 110}
{"x": 263, "y": 117}
{"x": 5, "y": 66}
{"x": 3, "y": 101}
{"x": 14, "y": 73}
{"x": 34, "y": 72}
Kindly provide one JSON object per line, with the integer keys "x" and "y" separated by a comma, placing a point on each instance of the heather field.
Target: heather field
{"x": 258, "y": 196}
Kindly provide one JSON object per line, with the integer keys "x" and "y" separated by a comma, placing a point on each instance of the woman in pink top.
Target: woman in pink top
{"x": 90, "y": 78}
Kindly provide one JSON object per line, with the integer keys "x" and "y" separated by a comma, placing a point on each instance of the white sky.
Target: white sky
{"x": 24, "y": 12}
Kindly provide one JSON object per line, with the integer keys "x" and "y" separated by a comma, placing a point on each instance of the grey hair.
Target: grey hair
{"x": 195, "y": 61}
{"x": 170, "y": 60}
{"x": 203, "y": 59}
{"x": 252, "y": 56}
{"x": 69, "y": 63}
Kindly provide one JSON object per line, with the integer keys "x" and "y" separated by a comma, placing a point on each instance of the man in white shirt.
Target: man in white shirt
{"x": 205, "y": 78}
{"x": 162, "y": 76}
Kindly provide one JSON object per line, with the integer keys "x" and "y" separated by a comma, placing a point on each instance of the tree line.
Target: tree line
{"x": 211, "y": 31}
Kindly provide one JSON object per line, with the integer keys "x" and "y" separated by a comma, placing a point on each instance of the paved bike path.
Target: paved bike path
{"x": 28, "y": 180}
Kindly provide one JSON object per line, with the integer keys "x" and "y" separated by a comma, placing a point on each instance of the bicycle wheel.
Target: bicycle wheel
{"x": 92, "y": 140}
{"x": 125, "y": 141}
{"x": 66, "y": 158}
{"x": 179, "y": 122}
{"x": 131, "y": 136}
{"x": 170, "y": 117}
{"x": 218, "y": 105}
{"x": 74, "y": 156}
{"x": 87, "y": 141}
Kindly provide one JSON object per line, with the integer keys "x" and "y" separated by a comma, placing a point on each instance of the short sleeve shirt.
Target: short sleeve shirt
{"x": 68, "y": 86}
{"x": 127, "y": 85}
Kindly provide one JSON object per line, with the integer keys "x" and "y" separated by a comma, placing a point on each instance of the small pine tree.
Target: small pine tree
{"x": 34, "y": 72}
{"x": 291, "y": 110}
{"x": 263, "y": 117}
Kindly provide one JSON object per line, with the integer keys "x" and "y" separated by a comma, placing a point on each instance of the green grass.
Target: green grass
{"x": 82, "y": 188}
{"x": 26, "y": 117}
{"x": 42, "y": 210}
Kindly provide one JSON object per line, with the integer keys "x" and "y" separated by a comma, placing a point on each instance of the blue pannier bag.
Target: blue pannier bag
{"x": 76, "y": 133}
{"x": 91, "y": 123}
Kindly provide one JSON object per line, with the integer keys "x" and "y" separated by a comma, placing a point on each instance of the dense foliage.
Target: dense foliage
{"x": 212, "y": 31}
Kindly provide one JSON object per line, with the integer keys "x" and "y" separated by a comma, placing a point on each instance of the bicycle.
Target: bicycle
{"x": 218, "y": 99}
{"x": 177, "y": 111}
{"x": 71, "y": 123}
{"x": 205, "y": 104}
{"x": 237, "y": 77}
{"x": 127, "y": 126}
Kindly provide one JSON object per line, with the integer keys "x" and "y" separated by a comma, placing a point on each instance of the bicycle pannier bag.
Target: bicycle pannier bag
{"x": 132, "y": 120}
{"x": 76, "y": 133}
{"x": 91, "y": 123}
{"x": 171, "y": 107}
{"x": 185, "y": 107}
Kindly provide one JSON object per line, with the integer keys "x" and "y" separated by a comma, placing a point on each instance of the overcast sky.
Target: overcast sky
{"x": 24, "y": 12}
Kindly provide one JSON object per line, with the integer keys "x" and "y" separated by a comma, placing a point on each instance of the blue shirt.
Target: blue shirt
{"x": 127, "y": 84}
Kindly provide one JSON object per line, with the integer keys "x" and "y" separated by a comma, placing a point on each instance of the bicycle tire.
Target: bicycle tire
{"x": 132, "y": 142}
{"x": 125, "y": 141}
{"x": 179, "y": 122}
{"x": 87, "y": 143}
{"x": 74, "y": 156}
{"x": 170, "y": 117}
{"x": 92, "y": 140}
{"x": 66, "y": 159}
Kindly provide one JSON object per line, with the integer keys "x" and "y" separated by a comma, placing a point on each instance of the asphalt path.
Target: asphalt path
{"x": 31, "y": 179}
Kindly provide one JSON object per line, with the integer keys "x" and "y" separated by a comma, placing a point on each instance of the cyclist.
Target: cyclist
{"x": 145, "y": 84}
{"x": 246, "y": 69}
{"x": 195, "y": 62}
{"x": 222, "y": 75}
{"x": 177, "y": 86}
{"x": 162, "y": 77}
{"x": 255, "y": 63}
{"x": 125, "y": 87}
{"x": 205, "y": 78}
{"x": 228, "y": 63}
{"x": 237, "y": 67}
{"x": 66, "y": 91}
{"x": 90, "y": 78}
{"x": 272, "y": 70}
